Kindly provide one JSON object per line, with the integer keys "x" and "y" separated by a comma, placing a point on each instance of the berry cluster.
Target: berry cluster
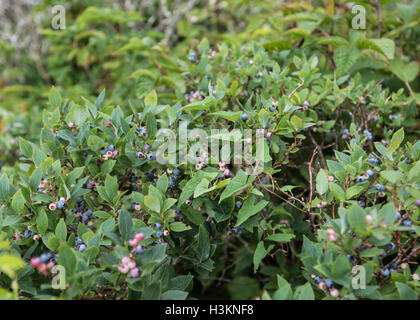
{"x": 109, "y": 152}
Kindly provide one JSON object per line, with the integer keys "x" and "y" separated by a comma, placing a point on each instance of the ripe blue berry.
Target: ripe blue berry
{"x": 238, "y": 204}
{"x": 177, "y": 172}
{"x": 361, "y": 203}
{"x": 82, "y": 247}
{"x": 111, "y": 147}
{"x": 390, "y": 246}
{"x": 385, "y": 272}
{"x": 60, "y": 204}
{"x": 45, "y": 257}
{"x": 159, "y": 233}
{"x": 85, "y": 217}
{"x": 398, "y": 215}
{"x": 329, "y": 283}
{"x": 317, "y": 279}
{"x": 380, "y": 187}
{"x": 370, "y": 172}
{"x": 244, "y": 117}
{"x": 407, "y": 223}
{"x": 151, "y": 156}
{"x": 140, "y": 154}
{"x": 272, "y": 108}
{"x": 139, "y": 250}
{"x": 158, "y": 225}
{"x": 360, "y": 179}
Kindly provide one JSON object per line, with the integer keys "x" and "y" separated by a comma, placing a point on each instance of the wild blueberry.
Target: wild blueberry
{"x": 85, "y": 217}
{"x": 28, "y": 233}
{"x": 370, "y": 172}
{"x": 361, "y": 203}
{"x": 146, "y": 147}
{"x": 329, "y": 283}
{"x": 177, "y": 172}
{"x": 151, "y": 156}
{"x": 345, "y": 131}
{"x": 103, "y": 151}
{"x": 88, "y": 212}
{"x": 398, "y": 215}
{"x": 244, "y": 117}
{"x": 407, "y": 223}
{"x": 360, "y": 179}
{"x": 380, "y": 187}
{"x": 139, "y": 250}
{"x": 111, "y": 147}
{"x": 78, "y": 240}
{"x": 238, "y": 204}
{"x": 272, "y": 108}
{"x": 60, "y": 204}
{"x": 82, "y": 247}
{"x": 317, "y": 279}
{"x": 158, "y": 225}
{"x": 390, "y": 246}
{"x": 45, "y": 257}
{"x": 159, "y": 233}
{"x": 385, "y": 272}
{"x": 140, "y": 154}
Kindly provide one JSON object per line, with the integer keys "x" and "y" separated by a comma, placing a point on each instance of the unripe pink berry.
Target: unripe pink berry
{"x": 269, "y": 134}
{"x": 115, "y": 153}
{"x": 369, "y": 218}
{"x": 42, "y": 267}
{"x": 133, "y": 242}
{"x": 330, "y": 178}
{"x": 334, "y": 292}
{"x": 125, "y": 260}
{"x": 226, "y": 172}
{"x": 131, "y": 264}
{"x": 134, "y": 272}
{"x": 35, "y": 262}
{"x": 50, "y": 264}
{"x": 52, "y": 206}
{"x": 140, "y": 236}
{"x": 71, "y": 124}
{"x": 123, "y": 268}
{"x": 109, "y": 153}
{"x": 137, "y": 207}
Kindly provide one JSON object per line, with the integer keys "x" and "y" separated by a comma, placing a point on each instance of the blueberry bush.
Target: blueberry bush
{"x": 88, "y": 210}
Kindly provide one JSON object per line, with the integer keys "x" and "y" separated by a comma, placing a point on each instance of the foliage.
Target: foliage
{"x": 80, "y": 185}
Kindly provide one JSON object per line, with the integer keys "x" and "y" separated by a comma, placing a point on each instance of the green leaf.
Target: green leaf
{"x": 162, "y": 183}
{"x": 406, "y": 293}
{"x": 357, "y": 218}
{"x": 174, "y": 295}
{"x": 337, "y": 191}
{"x": 125, "y": 224}
{"x": 248, "y": 209}
{"x": 200, "y": 105}
{"x": 111, "y": 186}
{"x": 18, "y": 202}
{"x": 55, "y": 98}
{"x": 305, "y": 292}
{"x": 67, "y": 258}
{"x": 407, "y": 72}
{"x": 179, "y": 227}
{"x": 203, "y": 245}
{"x": 151, "y": 99}
{"x": 42, "y": 222}
{"x": 26, "y": 147}
{"x": 152, "y": 203}
{"x": 4, "y": 187}
{"x": 236, "y": 184}
{"x": 280, "y": 237}
{"x": 61, "y": 230}
{"x": 260, "y": 253}
{"x": 322, "y": 182}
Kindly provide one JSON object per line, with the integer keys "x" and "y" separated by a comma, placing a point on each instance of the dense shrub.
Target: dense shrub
{"x": 81, "y": 184}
